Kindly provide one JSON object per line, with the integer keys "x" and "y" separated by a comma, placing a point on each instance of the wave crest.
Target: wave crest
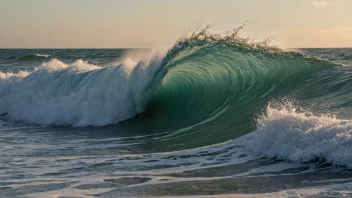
{"x": 286, "y": 133}
{"x": 78, "y": 94}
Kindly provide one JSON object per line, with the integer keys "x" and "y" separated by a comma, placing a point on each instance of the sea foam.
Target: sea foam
{"x": 78, "y": 94}
{"x": 286, "y": 133}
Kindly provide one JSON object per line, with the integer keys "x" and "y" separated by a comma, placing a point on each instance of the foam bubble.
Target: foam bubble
{"x": 286, "y": 133}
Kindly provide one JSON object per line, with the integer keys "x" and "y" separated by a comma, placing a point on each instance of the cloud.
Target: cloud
{"x": 323, "y": 3}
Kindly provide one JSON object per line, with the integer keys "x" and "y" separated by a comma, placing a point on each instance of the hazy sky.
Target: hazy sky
{"x": 158, "y": 23}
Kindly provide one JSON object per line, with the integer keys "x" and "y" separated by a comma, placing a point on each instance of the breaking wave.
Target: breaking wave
{"x": 220, "y": 82}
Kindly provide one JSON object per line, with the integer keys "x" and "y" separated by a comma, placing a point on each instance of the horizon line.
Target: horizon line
{"x": 1, "y": 48}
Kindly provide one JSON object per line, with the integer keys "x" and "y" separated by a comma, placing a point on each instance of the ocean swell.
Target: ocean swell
{"x": 209, "y": 88}
{"x": 204, "y": 75}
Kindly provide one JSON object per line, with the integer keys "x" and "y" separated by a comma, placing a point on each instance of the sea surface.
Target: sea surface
{"x": 212, "y": 116}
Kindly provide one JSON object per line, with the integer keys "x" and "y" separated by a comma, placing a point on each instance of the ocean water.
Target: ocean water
{"x": 213, "y": 116}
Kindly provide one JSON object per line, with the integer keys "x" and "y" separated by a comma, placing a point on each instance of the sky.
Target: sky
{"x": 159, "y": 23}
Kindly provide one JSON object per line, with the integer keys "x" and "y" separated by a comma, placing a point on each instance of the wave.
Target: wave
{"x": 201, "y": 76}
{"x": 43, "y": 55}
{"x": 34, "y": 57}
{"x": 78, "y": 94}
{"x": 216, "y": 83}
{"x": 286, "y": 133}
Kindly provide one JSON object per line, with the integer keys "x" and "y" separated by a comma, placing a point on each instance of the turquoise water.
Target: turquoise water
{"x": 213, "y": 115}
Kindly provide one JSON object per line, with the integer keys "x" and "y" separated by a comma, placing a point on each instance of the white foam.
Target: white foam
{"x": 43, "y": 55}
{"x": 302, "y": 137}
{"x": 78, "y": 94}
{"x": 78, "y": 65}
{"x": 7, "y": 75}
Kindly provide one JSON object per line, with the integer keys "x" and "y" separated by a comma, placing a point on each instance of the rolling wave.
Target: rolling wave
{"x": 221, "y": 84}
{"x": 34, "y": 57}
{"x": 200, "y": 77}
{"x": 78, "y": 94}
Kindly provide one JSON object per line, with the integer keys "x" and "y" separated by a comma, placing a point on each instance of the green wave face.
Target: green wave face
{"x": 211, "y": 90}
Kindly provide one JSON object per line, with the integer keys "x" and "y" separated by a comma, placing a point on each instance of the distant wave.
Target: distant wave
{"x": 34, "y": 57}
{"x": 43, "y": 55}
